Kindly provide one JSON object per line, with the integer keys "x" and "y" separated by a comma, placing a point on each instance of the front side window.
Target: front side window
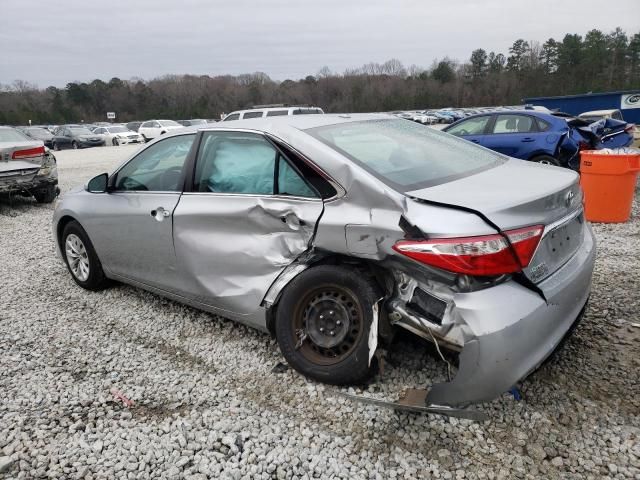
{"x": 514, "y": 124}
{"x": 157, "y": 168}
{"x": 405, "y": 155}
{"x": 233, "y": 116}
{"x": 472, "y": 126}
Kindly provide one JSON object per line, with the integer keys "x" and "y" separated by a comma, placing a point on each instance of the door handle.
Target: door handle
{"x": 528, "y": 139}
{"x": 160, "y": 213}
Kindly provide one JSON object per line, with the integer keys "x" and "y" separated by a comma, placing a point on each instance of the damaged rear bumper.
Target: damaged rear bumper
{"x": 515, "y": 330}
{"x": 28, "y": 180}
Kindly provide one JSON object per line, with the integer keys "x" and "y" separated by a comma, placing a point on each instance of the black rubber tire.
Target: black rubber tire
{"x": 354, "y": 367}
{"x": 97, "y": 279}
{"x": 46, "y": 195}
{"x": 115, "y": 142}
{"x": 74, "y": 145}
{"x": 547, "y": 160}
{"x": 146, "y": 140}
{"x": 55, "y": 147}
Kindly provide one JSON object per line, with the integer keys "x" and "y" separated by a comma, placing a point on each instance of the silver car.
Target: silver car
{"x": 333, "y": 231}
{"x": 27, "y": 167}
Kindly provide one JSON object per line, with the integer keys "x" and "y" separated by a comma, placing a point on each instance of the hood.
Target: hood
{"x": 512, "y": 195}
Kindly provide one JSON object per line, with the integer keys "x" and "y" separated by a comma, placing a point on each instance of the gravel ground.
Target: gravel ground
{"x": 207, "y": 403}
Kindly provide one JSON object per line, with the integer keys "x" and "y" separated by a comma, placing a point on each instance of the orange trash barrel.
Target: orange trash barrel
{"x": 608, "y": 182}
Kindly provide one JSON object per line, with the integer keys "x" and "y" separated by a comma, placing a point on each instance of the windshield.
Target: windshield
{"x": 169, "y": 123}
{"x": 11, "y": 135}
{"x": 117, "y": 130}
{"x": 406, "y": 155}
{"x": 81, "y": 131}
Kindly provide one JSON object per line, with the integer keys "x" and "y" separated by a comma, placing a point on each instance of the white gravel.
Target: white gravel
{"x": 206, "y": 403}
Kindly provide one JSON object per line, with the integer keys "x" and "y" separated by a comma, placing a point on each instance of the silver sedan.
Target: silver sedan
{"x": 333, "y": 231}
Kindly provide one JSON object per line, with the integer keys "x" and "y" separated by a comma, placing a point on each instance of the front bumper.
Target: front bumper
{"x": 513, "y": 330}
{"x": 87, "y": 144}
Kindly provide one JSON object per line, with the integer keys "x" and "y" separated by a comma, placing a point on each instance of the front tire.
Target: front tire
{"x": 56, "y": 147}
{"x": 74, "y": 145}
{"x": 115, "y": 142}
{"x": 81, "y": 258}
{"x": 322, "y": 324}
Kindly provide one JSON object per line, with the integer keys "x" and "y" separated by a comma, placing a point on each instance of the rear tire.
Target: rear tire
{"x": 46, "y": 195}
{"x": 74, "y": 145}
{"x": 333, "y": 306}
{"x": 81, "y": 258}
{"x": 115, "y": 142}
{"x": 55, "y": 146}
{"x": 546, "y": 160}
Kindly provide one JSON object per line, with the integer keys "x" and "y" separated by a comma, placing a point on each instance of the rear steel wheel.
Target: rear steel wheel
{"x": 322, "y": 324}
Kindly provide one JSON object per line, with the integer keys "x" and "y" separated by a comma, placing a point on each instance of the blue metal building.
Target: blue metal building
{"x": 628, "y": 102}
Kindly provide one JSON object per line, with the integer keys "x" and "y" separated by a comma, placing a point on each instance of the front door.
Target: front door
{"x": 250, "y": 214}
{"x": 133, "y": 221}
{"x": 516, "y": 135}
{"x": 472, "y": 129}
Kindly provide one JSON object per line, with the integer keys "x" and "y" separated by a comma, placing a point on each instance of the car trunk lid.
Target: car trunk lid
{"x": 519, "y": 194}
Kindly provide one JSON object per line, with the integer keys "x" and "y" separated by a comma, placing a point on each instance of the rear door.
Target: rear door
{"x": 472, "y": 129}
{"x": 249, "y": 214}
{"x": 517, "y": 135}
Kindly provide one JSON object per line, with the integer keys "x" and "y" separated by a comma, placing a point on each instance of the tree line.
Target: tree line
{"x": 594, "y": 62}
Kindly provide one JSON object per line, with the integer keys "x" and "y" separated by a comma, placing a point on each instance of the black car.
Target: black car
{"x": 39, "y": 133}
{"x": 76, "y": 136}
{"x": 133, "y": 126}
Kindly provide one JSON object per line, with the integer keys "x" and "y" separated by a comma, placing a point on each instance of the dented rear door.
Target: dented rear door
{"x": 236, "y": 230}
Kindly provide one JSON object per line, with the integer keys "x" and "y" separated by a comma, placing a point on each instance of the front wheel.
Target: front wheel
{"x": 56, "y": 147}
{"x": 322, "y": 324}
{"x": 81, "y": 258}
{"x": 115, "y": 142}
{"x": 74, "y": 145}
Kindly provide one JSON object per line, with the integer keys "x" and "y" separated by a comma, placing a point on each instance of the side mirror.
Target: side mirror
{"x": 98, "y": 184}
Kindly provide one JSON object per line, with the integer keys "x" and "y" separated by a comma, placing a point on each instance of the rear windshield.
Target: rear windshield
{"x": 406, "y": 155}
{"x": 11, "y": 135}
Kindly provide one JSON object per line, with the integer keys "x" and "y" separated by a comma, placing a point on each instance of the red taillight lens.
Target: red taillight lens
{"x": 30, "y": 152}
{"x": 484, "y": 256}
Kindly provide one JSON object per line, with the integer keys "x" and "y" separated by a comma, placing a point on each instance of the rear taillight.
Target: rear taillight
{"x": 484, "y": 256}
{"x": 30, "y": 152}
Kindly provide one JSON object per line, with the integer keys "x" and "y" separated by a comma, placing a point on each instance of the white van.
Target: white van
{"x": 271, "y": 112}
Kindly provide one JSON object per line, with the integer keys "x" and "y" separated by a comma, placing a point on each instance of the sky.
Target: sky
{"x": 52, "y": 43}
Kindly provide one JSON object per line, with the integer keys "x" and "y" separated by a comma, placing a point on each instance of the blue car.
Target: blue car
{"x": 542, "y": 137}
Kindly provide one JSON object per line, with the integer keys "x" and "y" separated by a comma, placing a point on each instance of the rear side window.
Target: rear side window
{"x": 277, "y": 113}
{"x": 514, "y": 124}
{"x": 247, "y": 163}
{"x": 616, "y": 115}
{"x": 406, "y": 155}
{"x": 252, "y": 115}
{"x": 542, "y": 125}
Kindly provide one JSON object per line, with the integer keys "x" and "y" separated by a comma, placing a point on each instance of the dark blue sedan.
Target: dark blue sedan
{"x": 542, "y": 137}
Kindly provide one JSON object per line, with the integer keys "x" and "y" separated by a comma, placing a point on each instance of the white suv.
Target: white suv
{"x": 153, "y": 128}
{"x": 271, "y": 112}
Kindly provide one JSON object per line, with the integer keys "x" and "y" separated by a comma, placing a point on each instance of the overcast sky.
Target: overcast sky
{"x": 52, "y": 43}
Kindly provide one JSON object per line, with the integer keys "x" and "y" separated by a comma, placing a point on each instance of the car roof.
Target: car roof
{"x": 299, "y": 122}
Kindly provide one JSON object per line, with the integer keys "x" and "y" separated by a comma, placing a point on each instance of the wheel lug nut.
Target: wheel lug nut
{"x": 330, "y": 312}
{"x": 332, "y": 333}
{"x": 321, "y": 317}
{"x": 321, "y": 329}
{"x": 338, "y": 322}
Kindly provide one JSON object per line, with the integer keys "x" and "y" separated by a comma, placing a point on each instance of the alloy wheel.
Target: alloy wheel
{"x": 77, "y": 257}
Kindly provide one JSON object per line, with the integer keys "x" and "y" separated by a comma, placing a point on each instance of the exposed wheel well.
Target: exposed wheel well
{"x": 60, "y": 228}
{"x": 377, "y": 274}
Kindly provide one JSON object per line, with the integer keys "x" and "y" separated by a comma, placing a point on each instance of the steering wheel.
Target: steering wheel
{"x": 170, "y": 178}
